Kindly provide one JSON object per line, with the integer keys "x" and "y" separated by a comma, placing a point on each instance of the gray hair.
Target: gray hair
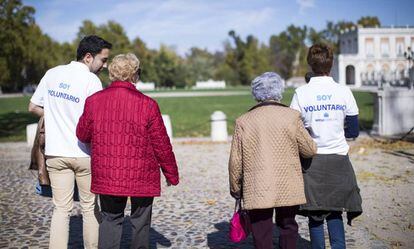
{"x": 268, "y": 86}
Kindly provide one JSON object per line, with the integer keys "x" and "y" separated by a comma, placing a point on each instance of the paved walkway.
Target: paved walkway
{"x": 11, "y": 95}
{"x": 194, "y": 214}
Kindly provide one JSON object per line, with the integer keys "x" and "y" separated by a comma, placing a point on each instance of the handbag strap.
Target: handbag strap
{"x": 238, "y": 205}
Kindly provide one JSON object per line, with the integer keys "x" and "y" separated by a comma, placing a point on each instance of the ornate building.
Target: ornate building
{"x": 373, "y": 56}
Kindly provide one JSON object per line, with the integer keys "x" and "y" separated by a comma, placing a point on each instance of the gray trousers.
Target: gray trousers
{"x": 112, "y": 212}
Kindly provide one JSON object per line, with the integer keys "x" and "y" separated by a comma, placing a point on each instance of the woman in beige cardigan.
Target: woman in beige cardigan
{"x": 264, "y": 167}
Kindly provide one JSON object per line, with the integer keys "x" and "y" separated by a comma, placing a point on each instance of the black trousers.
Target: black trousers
{"x": 262, "y": 227}
{"x": 112, "y": 212}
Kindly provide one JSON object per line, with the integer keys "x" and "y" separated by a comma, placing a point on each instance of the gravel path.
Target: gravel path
{"x": 195, "y": 213}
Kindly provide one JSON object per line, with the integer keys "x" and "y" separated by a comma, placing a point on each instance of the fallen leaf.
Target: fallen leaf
{"x": 211, "y": 202}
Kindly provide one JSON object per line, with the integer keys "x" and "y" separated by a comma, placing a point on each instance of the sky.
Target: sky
{"x": 183, "y": 24}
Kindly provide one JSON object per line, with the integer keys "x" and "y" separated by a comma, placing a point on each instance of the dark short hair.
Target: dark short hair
{"x": 92, "y": 44}
{"x": 320, "y": 59}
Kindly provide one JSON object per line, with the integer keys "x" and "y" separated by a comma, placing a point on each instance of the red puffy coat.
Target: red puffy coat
{"x": 129, "y": 142}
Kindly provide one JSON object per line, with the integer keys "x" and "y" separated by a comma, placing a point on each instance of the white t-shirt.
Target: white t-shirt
{"x": 324, "y": 104}
{"x": 62, "y": 92}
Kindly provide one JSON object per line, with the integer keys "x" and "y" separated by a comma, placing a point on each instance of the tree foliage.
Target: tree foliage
{"x": 15, "y": 22}
{"x": 247, "y": 58}
{"x": 369, "y": 22}
{"x": 26, "y": 53}
{"x": 200, "y": 65}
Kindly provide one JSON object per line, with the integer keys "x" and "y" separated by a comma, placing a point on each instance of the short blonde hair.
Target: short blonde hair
{"x": 123, "y": 67}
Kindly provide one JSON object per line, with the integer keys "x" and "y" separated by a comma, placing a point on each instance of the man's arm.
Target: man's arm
{"x": 35, "y": 109}
{"x": 84, "y": 127}
{"x": 36, "y": 102}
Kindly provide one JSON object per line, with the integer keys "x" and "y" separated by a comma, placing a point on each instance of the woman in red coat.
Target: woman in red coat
{"x": 129, "y": 146}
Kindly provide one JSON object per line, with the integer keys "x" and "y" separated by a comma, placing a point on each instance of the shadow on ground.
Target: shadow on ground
{"x": 220, "y": 239}
{"x": 76, "y": 235}
{"x": 404, "y": 154}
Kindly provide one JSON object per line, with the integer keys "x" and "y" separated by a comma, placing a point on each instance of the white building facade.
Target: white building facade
{"x": 373, "y": 56}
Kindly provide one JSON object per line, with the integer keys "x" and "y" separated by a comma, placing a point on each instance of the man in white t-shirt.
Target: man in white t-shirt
{"x": 60, "y": 97}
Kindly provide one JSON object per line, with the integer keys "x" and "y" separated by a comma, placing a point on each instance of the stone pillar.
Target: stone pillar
{"x": 394, "y": 111}
{"x": 218, "y": 127}
{"x": 31, "y": 134}
{"x": 167, "y": 123}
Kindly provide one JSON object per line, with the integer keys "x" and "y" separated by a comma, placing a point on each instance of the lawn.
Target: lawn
{"x": 189, "y": 115}
{"x": 227, "y": 89}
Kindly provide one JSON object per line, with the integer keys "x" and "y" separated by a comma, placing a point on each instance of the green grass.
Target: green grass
{"x": 365, "y": 103}
{"x": 189, "y": 115}
{"x": 228, "y": 88}
{"x": 13, "y": 118}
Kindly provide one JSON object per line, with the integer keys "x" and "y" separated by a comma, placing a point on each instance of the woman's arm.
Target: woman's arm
{"x": 235, "y": 164}
{"x": 307, "y": 147}
{"x": 84, "y": 127}
{"x": 161, "y": 145}
{"x": 351, "y": 126}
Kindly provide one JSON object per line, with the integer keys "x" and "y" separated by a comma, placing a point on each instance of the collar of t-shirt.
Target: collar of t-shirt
{"x": 321, "y": 79}
{"x": 80, "y": 65}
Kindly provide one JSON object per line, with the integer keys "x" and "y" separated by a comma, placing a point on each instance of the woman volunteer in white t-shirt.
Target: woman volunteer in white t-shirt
{"x": 330, "y": 114}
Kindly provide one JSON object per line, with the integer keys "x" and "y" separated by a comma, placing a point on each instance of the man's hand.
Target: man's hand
{"x": 168, "y": 183}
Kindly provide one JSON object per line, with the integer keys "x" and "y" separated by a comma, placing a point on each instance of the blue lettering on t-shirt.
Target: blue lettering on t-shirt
{"x": 325, "y": 107}
{"x": 323, "y": 97}
{"x": 64, "y": 86}
{"x": 62, "y": 95}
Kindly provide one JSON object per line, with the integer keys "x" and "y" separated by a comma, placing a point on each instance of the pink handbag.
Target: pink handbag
{"x": 239, "y": 224}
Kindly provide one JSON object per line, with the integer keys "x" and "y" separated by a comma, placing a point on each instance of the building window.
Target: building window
{"x": 400, "y": 47}
{"x": 370, "y": 68}
{"x": 350, "y": 75}
{"x": 370, "y": 72}
{"x": 369, "y": 47}
{"x": 386, "y": 73}
{"x": 400, "y": 72}
{"x": 385, "y": 47}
